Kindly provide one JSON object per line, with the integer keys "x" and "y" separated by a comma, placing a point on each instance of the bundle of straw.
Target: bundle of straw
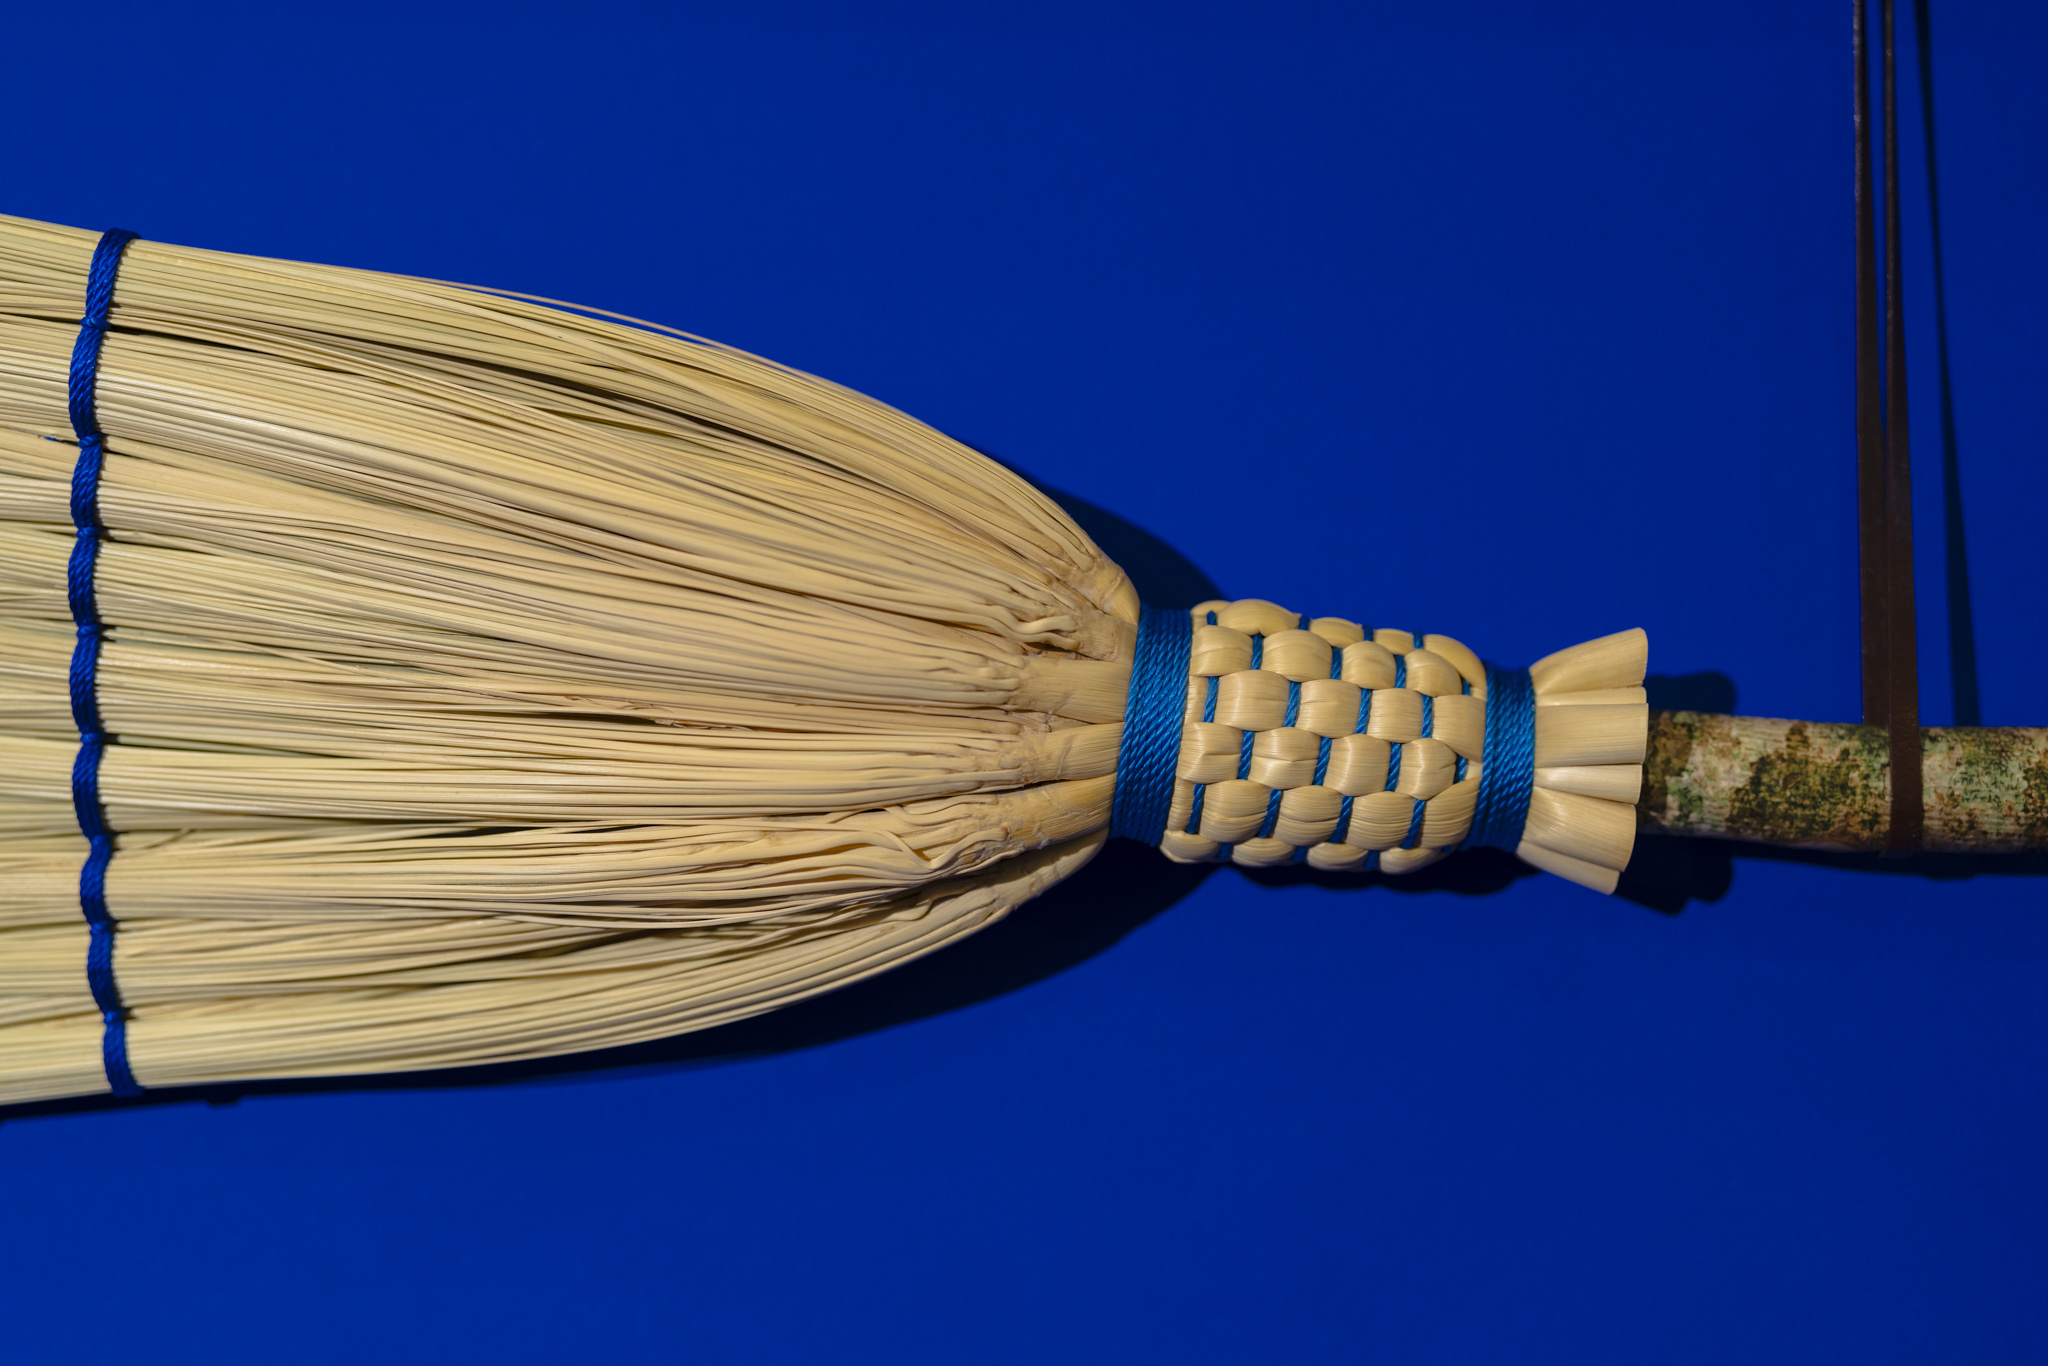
{"x": 492, "y": 679}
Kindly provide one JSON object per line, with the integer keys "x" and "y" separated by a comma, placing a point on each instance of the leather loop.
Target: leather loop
{"x": 1891, "y": 680}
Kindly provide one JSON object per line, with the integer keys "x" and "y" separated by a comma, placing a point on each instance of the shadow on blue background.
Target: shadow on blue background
{"x": 1955, "y": 563}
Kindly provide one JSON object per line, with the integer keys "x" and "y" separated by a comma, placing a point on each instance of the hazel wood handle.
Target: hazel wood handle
{"x": 1825, "y": 785}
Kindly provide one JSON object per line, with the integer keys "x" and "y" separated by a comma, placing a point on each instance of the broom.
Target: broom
{"x": 398, "y": 675}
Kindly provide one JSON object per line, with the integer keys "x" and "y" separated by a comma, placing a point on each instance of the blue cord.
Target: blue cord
{"x": 1273, "y": 801}
{"x": 1244, "y": 749}
{"x": 1145, "y": 764}
{"x": 1152, "y": 721}
{"x": 1344, "y": 807}
{"x": 1465, "y": 690}
{"x": 1414, "y": 835}
{"x": 1208, "y": 714}
{"x": 1394, "y": 746}
{"x": 85, "y": 658}
{"x": 1509, "y": 774}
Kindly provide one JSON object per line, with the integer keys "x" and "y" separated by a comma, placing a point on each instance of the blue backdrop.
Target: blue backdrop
{"x": 1521, "y": 323}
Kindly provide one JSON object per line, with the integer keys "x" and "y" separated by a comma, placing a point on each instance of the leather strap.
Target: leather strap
{"x": 1891, "y": 677}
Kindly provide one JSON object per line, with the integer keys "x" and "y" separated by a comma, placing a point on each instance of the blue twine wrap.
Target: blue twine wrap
{"x": 1244, "y": 749}
{"x": 1509, "y": 774}
{"x": 1208, "y": 714}
{"x": 1414, "y": 836}
{"x": 85, "y": 657}
{"x": 1273, "y": 798}
{"x": 1501, "y": 806}
{"x": 1152, "y": 721}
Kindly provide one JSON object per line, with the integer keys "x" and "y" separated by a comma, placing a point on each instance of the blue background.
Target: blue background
{"x": 1522, "y": 323}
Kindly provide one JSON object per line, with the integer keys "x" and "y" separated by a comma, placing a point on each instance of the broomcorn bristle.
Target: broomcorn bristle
{"x": 493, "y": 680}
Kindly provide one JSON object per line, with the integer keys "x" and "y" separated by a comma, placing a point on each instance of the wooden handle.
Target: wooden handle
{"x": 1821, "y": 785}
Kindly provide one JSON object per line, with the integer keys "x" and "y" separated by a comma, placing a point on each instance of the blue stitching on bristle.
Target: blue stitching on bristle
{"x": 85, "y": 659}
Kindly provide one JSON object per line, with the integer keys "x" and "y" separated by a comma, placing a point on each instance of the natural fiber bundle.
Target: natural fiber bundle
{"x": 492, "y": 680}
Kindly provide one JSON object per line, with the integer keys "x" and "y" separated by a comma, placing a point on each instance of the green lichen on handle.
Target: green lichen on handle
{"x": 1825, "y": 790}
{"x": 2033, "y": 807}
{"x": 1825, "y": 785}
{"x": 1675, "y": 801}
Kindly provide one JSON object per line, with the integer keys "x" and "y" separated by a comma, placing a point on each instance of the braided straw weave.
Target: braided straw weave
{"x": 1319, "y": 742}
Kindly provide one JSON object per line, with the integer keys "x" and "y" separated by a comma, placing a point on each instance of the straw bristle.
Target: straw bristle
{"x": 493, "y": 680}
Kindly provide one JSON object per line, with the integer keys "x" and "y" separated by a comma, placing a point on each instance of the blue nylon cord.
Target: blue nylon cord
{"x": 1428, "y": 733}
{"x": 85, "y": 658}
{"x": 1466, "y": 690}
{"x": 1208, "y": 714}
{"x": 1153, "y": 709}
{"x": 1414, "y": 835}
{"x": 1293, "y": 715}
{"x": 1343, "y": 821}
{"x": 1300, "y": 854}
{"x": 1244, "y": 751}
{"x": 1344, "y": 807}
{"x": 1394, "y": 746}
{"x": 1509, "y": 774}
{"x": 1502, "y": 805}
{"x": 1323, "y": 750}
{"x": 1272, "y": 815}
